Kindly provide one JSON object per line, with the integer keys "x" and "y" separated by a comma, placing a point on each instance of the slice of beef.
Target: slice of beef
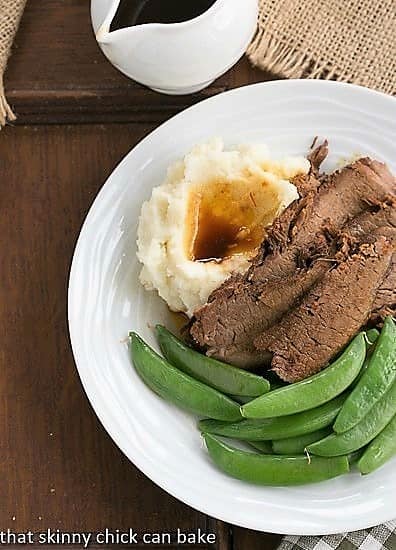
{"x": 286, "y": 265}
{"x": 383, "y": 216}
{"x": 343, "y": 196}
{"x": 385, "y": 301}
{"x": 309, "y": 336}
{"x": 246, "y": 310}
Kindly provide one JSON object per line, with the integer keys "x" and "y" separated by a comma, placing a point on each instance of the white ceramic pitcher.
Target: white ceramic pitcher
{"x": 177, "y": 58}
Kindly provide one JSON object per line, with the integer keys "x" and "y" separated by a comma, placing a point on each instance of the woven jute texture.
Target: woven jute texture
{"x": 346, "y": 40}
{"x": 10, "y": 15}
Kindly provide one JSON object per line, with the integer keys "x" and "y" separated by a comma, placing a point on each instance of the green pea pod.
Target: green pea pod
{"x": 218, "y": 375}
{"x": 361, "y": 434}
{"x": 312, "y": 391}
{"x": 264, "y": 447}
{"x": 371, "y": 338}
{"x": 273, "y": 470}
{"x": 380, "y": 450}
{"x": 297, "y": 445}
{"x": 277, "y": 428}
{"x": 177, "y": 387}
{"x": 375, "y": 382}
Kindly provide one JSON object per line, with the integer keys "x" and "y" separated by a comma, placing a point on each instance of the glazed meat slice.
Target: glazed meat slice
{"x": 297, "y": 252}
{"x": 309, "y": 336}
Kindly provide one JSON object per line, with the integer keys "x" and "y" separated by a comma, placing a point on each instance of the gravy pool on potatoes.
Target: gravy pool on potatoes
{"x": 229, "y": 218}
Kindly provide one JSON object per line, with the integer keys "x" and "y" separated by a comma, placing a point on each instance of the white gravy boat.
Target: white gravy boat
{"x": 177, "y": 58}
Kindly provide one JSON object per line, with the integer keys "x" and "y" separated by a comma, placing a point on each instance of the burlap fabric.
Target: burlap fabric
{"x": 10, "y": 15}
{"x": 347, "y": 40}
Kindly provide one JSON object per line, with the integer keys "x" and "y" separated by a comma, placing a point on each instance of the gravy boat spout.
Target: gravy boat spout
{"x": 177, "y": 58}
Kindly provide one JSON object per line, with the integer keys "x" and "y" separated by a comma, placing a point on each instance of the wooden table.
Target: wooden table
{"x": 77, "y": 117}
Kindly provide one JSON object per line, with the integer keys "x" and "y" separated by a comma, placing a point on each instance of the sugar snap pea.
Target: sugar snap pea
{"x": 371, "y": 337}
{"x": 374, "y": 383}
{"x": 361, "y": 434}
{"x": 273, "y": 470}
{"x": 380, "y": 450}
{"x": 264, "y": 447}
{"x": 277, "y": 428}
{"x": 313, "y": 391}
{"x": 218, "y": 375}
{"x": 177, "y": 387}
{"x": 297, "y": 445}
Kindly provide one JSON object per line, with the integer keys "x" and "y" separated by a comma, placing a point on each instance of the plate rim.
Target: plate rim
{"x": 82, "y": 373}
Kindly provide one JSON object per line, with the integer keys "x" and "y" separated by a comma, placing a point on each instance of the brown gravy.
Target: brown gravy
{"x": 223, "y": 227}
{"x": 140, "y": 12}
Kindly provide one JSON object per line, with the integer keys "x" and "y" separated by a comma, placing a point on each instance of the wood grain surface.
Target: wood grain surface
{"x": 58, "y": 73}
{"x": 77, "y": 118}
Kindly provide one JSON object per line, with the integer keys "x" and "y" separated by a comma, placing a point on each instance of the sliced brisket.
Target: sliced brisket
{"x": 385, "y": 301}
{"x": 383, "y": 216}
{"x": 343, "y": 196}
{"x": 242, "y": 310}
{"x": 309, "y": 336}
{"x": 297, "y": 252}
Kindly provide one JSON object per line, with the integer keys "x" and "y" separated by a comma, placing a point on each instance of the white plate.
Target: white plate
{"x": 106, "y": 301}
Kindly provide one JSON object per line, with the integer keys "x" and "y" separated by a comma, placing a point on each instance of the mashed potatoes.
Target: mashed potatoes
{"x": 208, "y": 218}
